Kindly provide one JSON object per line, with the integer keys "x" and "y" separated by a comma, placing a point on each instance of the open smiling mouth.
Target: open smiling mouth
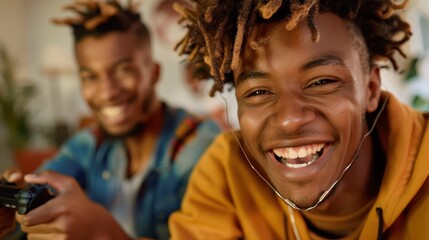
{"x": 299, "y": 157}
{"x": 114, "y": 114}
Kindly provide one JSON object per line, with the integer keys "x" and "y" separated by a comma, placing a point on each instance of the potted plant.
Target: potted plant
{"x": 15, "y": 115}
{"x": 14, "y": 99}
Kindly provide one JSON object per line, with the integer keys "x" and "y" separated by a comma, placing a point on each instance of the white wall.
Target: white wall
{"x": 13, "y": 37}
{"x": 51, "y": 45}
{"x": 13, "y": 28}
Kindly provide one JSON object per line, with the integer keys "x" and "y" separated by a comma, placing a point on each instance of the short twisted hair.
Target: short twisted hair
{"x": 217, "y": 29}
{"x": 98, "y": 17}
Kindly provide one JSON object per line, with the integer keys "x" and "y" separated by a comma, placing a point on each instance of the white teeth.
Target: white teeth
{"x": 292, "y": 154}
{"x": 299, "y": 152}
{"x": 112, "y": 111}
{"x": 302, "y": 153}
{"x": 301, "y": 165}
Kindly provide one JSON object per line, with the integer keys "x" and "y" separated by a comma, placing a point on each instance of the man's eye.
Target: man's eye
{"x": 123, "y": 70}
{"x": 88, "y": 77}
{"x": 321, "y": 82}
{"x": 257, "y": 93}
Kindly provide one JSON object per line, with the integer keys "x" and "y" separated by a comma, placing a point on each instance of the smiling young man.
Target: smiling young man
{"x": 322, "y": 152}
{"x": 129, "y": 172}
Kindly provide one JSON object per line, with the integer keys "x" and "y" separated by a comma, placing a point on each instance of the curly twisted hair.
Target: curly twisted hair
{"x": 98, "y": 17}
{"x": 218, "y": 29}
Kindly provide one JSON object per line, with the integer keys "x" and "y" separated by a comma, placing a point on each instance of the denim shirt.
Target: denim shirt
{"x": 93, "y": 163}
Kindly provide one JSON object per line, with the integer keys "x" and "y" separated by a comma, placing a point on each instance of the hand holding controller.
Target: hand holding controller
{"x": 23, "y": 199}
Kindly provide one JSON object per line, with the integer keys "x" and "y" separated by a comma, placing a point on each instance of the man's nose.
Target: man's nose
{"x": 291, "y": 113}
{"x": 108, "y": 88}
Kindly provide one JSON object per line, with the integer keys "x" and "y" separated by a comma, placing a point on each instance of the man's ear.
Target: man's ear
{"x": 373, "y": 89}
{"x": 156, "y": 72}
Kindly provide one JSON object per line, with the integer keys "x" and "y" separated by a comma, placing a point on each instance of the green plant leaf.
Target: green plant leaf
{"x": 15, "y": 97}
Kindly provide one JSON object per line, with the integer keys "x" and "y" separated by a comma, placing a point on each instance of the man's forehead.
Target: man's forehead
{"x": 271, "y": 44}
{"x": 114, "y": 42}
{"x": 331, "y": 28}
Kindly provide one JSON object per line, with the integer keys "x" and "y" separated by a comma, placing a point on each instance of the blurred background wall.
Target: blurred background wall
{"x": 44, "y": 57}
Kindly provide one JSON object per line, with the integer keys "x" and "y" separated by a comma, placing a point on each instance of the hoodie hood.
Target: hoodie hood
{"x": 405, "y": 133}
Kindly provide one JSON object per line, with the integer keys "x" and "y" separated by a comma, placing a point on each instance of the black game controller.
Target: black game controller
{"x": 23, "y": 199}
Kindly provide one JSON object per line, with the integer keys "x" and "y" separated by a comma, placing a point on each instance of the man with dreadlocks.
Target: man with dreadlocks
{"x": 322, "y": 152}
{"x": 134, "y": 165}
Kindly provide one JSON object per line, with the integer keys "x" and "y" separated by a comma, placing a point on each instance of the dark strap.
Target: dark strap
{"x": 188, "y": 127}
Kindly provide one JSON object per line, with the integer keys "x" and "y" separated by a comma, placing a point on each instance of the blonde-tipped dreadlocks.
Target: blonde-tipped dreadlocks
{"x": 217, "y": 29}
{"x": 98, "y": 17}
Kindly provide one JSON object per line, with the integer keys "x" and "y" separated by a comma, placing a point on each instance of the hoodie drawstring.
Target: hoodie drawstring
{"x": 380, "y": 223}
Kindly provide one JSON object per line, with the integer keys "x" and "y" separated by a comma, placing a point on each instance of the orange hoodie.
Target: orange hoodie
{"x": 226, "y": 199}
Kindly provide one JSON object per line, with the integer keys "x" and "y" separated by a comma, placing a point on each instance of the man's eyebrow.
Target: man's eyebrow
{"x": 319, "y": 61}
{"x": 246, "y": 75}
{"x": 123, "y": 60}
{"x": 323, "y": 60}
{"x": 120, "y": 61}
{"x": 84, "y": 69}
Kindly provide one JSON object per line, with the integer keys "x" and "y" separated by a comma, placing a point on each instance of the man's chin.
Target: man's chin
{"x": 303, "y": 203}
{"x": 110, "y": 134}
{"x": 310, "y": 200}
